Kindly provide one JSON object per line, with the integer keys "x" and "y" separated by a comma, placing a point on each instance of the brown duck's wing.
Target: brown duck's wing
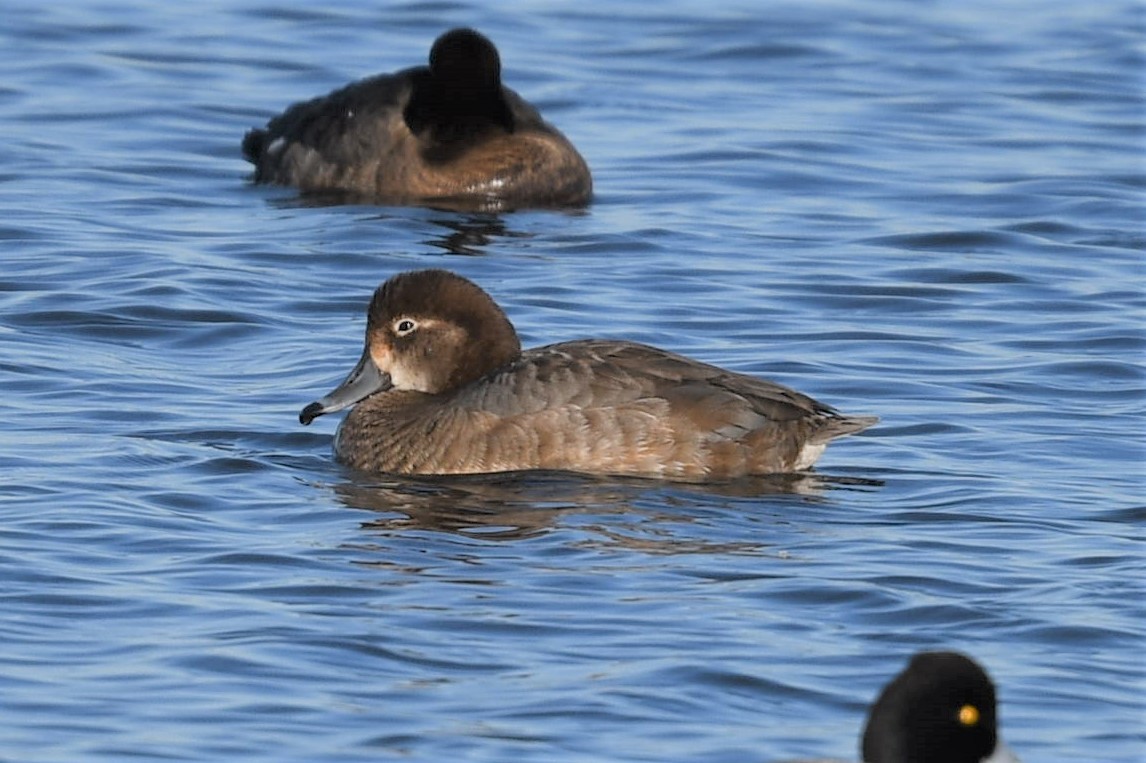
{"x": 620, "y": 407}
{"x": 341, "y": 127}
{"x": 732, "y": 405}
{"x": 781, "y": 405}
{"x": 775, "y": 401}
{"x": 525, "y": 115}
{"x": 580, "y": 374}
{"x": 604, "y": 373}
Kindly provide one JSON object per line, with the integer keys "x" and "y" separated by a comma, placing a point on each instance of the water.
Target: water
{"x": 932, "y": 212}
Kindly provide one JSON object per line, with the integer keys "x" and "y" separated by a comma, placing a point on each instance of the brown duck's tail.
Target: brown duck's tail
{"x": 840, "y": 426}
{"x": 254, "y": 143}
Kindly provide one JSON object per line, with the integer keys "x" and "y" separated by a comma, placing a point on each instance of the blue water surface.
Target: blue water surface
{"x": 932, "y": 212}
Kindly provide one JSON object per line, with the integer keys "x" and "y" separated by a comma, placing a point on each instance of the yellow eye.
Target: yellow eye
{"x": 969, "y": 715}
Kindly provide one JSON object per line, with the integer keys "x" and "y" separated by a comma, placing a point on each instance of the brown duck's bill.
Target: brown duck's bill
{"x": 363, "y": 381}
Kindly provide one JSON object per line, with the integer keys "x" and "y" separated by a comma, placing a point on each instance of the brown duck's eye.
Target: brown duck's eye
{"x": 404, "y": 326}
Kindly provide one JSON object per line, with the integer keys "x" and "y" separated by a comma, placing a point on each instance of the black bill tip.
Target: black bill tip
{"x": 310, "y": 413}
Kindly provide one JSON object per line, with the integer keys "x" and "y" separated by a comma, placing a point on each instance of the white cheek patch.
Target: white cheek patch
{"x": 402, "y": 376}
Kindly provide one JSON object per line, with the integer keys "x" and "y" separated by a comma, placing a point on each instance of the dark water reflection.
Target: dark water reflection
{"x": 469, "y": 234}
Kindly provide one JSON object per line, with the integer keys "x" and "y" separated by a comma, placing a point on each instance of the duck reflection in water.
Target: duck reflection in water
{"x": 517, "y": 505}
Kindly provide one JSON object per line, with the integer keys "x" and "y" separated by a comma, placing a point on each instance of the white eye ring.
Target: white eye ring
{"x": 405, "y": 326}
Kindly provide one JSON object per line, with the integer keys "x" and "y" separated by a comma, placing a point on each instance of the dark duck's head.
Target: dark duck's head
{"x": 460, "y": 92}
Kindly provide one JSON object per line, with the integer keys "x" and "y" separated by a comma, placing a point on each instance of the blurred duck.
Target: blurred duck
{"x": 446, "y": 134}
{"x": 940, "y": 709}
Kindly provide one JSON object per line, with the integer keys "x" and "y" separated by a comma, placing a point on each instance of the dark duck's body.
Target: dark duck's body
{"x": 449, "y": 133}
{"x": 443, "y": 387}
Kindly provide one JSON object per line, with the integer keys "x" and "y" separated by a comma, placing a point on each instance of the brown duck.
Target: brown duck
{"x": 449, "y": 133}
{"x": 443, "y": 387}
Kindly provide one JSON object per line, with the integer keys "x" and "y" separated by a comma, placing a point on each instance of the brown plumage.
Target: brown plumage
{"x": 443, "y": 387}
{"x": 445, "y": 134}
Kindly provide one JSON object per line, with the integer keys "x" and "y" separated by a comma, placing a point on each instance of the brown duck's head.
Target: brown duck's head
{"x": 427, "y": 331}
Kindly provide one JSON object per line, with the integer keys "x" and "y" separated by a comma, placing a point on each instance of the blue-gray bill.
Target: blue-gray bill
{"x": 361, "y": 383}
